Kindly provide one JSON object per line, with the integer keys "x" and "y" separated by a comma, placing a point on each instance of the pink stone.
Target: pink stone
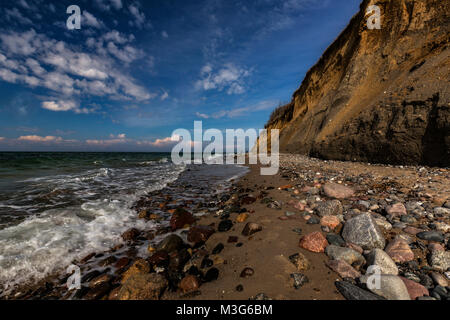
{"x": 399, "y": 251}
{"x": 338, "y": 191}
{"x": 330, "y": 221}
{"x": 314, "y": 242}
{"x": 397, "y": 209}
{"x": 297, "y": 205}
{"x": 343, "y": 269}
{"x": 415, "y": 289}
{"x": 412, "y": 230}
{"x": 435, "y": 247}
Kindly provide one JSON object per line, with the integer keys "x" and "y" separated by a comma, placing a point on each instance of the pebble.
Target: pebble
{"x": 242, "y": 217}
{"x": 338, "y": 191}
{"x": 180, "y": 219}
{"x": 314, "y": 242}
{"x": 431, "y": 236}
{"x": 247, "y": 273}
{"x": 343, "y": 269}
{"x": 396, "y": 210}
{"x": 345, "y": 254}
{"x": 381, "y": 259}
{"x": 329, "y": 208}
{"x": 299, "y": 280}
{"x": 313, "y": 220}
{"x": 399, "y": 251}
{"x": 225, "y": 225}
{"x": 300, "y": 262}
{"x": 189, "y": 283}
{"x": 330, "y": 221}
{"x": 440, "y": 260}
{"x": 251, "y": 228}
{"x": 439, "y": 279}
{"x": 211, "y": 275}
{"x": 415, "y": 289}
{"x": 170, "y": 243}
{"x": 218, "y": 249}
{"x": 335, "y": 239}
{"x": 364, "y": 232}
{"x": 143, "y": 287}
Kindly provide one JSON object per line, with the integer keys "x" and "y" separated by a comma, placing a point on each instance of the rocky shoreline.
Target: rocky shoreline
{"x": 312, "y": 232}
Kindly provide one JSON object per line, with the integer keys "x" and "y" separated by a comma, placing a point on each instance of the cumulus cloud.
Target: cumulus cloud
{"x": 229, "y": 77}
{"x": 40, "y": 139}
{"x": 139, "y": 19}
{"x": 89, "y": 20}
{"x": 36, "y": 60}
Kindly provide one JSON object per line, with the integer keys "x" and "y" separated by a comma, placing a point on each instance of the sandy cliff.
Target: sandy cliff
{"x": 377, "y": 95}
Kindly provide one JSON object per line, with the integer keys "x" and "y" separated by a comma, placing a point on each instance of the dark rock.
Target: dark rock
{"x": 251, "y": 228}
{"x": 159, "y": 259}
{"x": 431, "y": 236}
{"x": 131, "y": 235}
{"x": 108, "y": 261}
{"x": 122, "y": 263}
{"x": 211, "y": 275}
{"x": 299, "y": 280}
{"x": 352, "y": 292}
{"x": 104, "y": 278}
{"x": 247, "y": 201}
{"x": 225, "y": 225}
{"x": 180, "y": 219}
{"x": 91, "y": 275}
{"x": 313, "y": 220}
{"x": 218, "y": 249}
{"x": 206, "y": 263}
{"x": 240, "y": 288}
{"x": 233, "y": 239}
{"x": 170, "y": 243}
{"x": 98, "y": 292}
{"x": 200, "y": 234}
{"x": 335, "y": 239}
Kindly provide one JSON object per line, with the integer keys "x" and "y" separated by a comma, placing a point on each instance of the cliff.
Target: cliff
{"x": 377, "y": 95}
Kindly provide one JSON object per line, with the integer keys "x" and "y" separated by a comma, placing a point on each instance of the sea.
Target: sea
{"x": 59, "y": 207}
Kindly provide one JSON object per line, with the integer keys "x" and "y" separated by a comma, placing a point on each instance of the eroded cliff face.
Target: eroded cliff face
{"x": 378, "y": 95}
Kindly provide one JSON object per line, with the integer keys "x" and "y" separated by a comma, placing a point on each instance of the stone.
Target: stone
{"x": 189, "y": 283}
{"x": 140, "y": 266}
{"x": 381, "y": 259}
{"x": 98, "y": 292}
{"x": 338, "y": 191}
{"x": 300, "y": 262}
{"x": 247, "y": 273}
{"x": 345, "y": 254}
{"x": 232, "y": 239}
{"x": 335, "y": 239}
{"x": 329, "y": 208}
{"x": 364, "y": 232}
{"x": 330, "y": 221}
{"x": 408, "y": 219}
{"x": 122, "y": 263}
{"x": 352, "y": 292}
{"x": 180, "y": 219}
{"x": 396, "y": 210}
{"x": 104, "y": 278}
{"x": 131, "y": 235}
{"x": 143, "y": 287}
{"x": 159, "y": 259}
{"x": 439, "y": 279}
{"x": 211, "y": 275}
{"x": 247, "y": 200}
{"x": 218, "y": 248}
{"x": 251, "y": 228}
{"x": 314, "y": 242}
{"x": 442, "y": 227}
{"x": 343, "y": 269}
{"x": 299, "y": 205}
{"x": 299, "y": 280}
{"x": 431, "y": 236}
{"x": 415, "y": 289}
{"x": 441, "y": 211}
{"x": 391, "y": 287}
{"x": 354, "y": 247}
{"x": 242, "y": 217}
{"x": 383, "y": 223}
{"x": 399, "y": 251}
{"x": 313, "y": 220}
{"x": 412, "y": 230}
{"x": 225, "y": 225}
{"x": 171, "y": 243}
{"x": 200, "y": 234}
{"x": 440, "y": 260}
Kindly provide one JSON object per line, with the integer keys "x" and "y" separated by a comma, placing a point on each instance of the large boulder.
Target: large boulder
{"x": 143, "y": 287}
{"x": 363, "y": 231}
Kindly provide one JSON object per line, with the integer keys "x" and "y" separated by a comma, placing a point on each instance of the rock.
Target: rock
{"x": 314, "y": 242}
{"x": 408, "y": 219}
{"x": 441, "y": 226}
{"x": 200, "y": 234}
{"x": 441, "y": 211}
{"x": 285, "y": 187}
{"x": 415, "y": 289}
{"x": 206, "y": 263}
{"x": 313, "y": 220}
{"x": 330, "y": 221}
{"x": 352, "y": 292}
{"x": 232, "y": 239}
{"x": 122, "y": 263}
{"x": 396, "y": 210}
{"x": 104, "y": 278}
{"x": 412, "y": 230}
{"x": 431, "y": 236}
{"x": 218, "y": 249}
{"x": 399, "y": 251}
{"x": 114, "y": 294}
{"x": 143, "y": 214}
{"x": 98, "y": 292}
{"x": 299, "y": 205}
{"x": 180, "y": 219}
{"x": 345, "y": 254}
{"x": 363, "y": 231}
{"x": 354, "y": 247}
{"x": 440, "y": 293}
{"x": 189, "y": 283}
{"x": 239, "y": 288}
{"x": 107, "y": 261}
{"x": 439, "y": 279}
{"x": 329, "y": 208}
{"x": 159, "y": 259}
{"x": 251, "y": 228}
{"x": 225, "y": 225}
{"x": 171, "y": 243}
{"x": 300, "y": 262}
{"x": 87, "y": 258}
{"x": 140, "y": 266}
{"x": 378, "y": 257}
{"x": 299, "y": 280}
{"x": 382, "y": 223}
{"x": 143, "y": 287}
{"x": 391, "y": 287}
{"x": 131, "y": 235}
{"x": 335, "y": 239}
{"x": 211, "y": 275}
{"x": 338, "y": 191}
{"x": 247, "y": 200}
{"x": 242, "y": 217}
{"x": 440, "y": 260}
{"x": 247, "y": 273}
{"x": 343, "y": 269}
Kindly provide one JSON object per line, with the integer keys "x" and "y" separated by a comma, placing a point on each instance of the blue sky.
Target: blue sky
{"x": 138, "y": 70}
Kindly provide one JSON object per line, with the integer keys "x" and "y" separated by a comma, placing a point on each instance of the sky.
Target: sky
{"x": 137, "y": 70}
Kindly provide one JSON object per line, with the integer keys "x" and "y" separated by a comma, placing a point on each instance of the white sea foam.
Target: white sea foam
{"x": 48, "y": 242}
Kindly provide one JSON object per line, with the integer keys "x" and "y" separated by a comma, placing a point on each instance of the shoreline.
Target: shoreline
{"x": 286, "y": 207}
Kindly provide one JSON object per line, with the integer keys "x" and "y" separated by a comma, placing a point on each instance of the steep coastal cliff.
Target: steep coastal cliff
{"x": 377, "y": 95}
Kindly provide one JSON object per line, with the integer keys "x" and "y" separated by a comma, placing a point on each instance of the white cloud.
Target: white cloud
{"x": 106, "y": 5}
{"x": 67, "y": 105}
{"x": 164, "y": 34}
{"x": 238, "y": 112}
{"x": 14, "y": 14}
{"x": 139, "y": 19}
{"x": 229, "y": 78}
{"x": 40, "y": 139}
{"x": 89, "y": 20}
{"x": 2, "y": 138}
{"x": 164, "y": 96}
